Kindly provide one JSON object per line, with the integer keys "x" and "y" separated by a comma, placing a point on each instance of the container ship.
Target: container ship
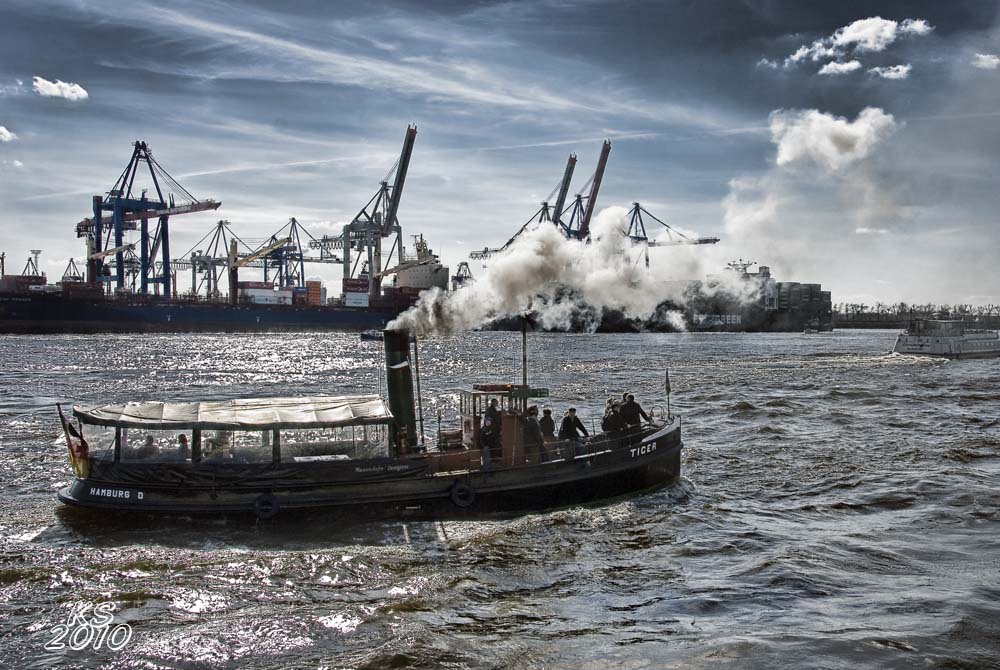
{"x": 29, "y": 304}
{"x": 743, "y": 300}
{"x": 131, "y": 283}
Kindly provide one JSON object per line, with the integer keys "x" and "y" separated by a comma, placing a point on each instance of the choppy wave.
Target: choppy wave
{"x": 839, "y": 507}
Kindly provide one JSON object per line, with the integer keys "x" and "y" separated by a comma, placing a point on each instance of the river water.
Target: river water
{"x": 839, "y": 508}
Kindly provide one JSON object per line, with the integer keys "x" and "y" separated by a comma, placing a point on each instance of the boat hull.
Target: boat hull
{"x": 955, "y": 348}
{"x": 393, "y": 488}
{"x": 53, "y": 313}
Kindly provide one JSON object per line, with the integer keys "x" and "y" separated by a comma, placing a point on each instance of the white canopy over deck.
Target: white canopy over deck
{"x": 244, "y": 414}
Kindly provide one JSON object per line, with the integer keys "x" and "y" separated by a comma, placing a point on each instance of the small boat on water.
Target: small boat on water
{"x": 948, "y": 338}
{"x": 358, "y": 454}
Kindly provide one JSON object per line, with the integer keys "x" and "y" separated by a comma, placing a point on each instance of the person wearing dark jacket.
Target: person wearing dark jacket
{"x": 534, "y": 440}
{"x": 493, "y": 414}
{"x": 547, "y": 424}
{"x": 571, "y": 426}
{"x": 630, "y": 413}
{"x": 612, "y": 421}
{"x": 569, "y": 431}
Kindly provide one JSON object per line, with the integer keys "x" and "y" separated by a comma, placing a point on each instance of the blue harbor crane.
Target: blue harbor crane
{"x": 122, "y": 210}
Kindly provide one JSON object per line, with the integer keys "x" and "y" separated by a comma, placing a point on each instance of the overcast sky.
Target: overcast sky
{"x": 856, "y": 144}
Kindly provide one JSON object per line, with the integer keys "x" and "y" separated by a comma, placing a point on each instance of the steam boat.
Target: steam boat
{"x": 948, "y": 339}
{"x": 358, "y": 454}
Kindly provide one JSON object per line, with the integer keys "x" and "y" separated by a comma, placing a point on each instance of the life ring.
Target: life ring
{"x": 462, "y": 495}
{"x": 265, "y": 506}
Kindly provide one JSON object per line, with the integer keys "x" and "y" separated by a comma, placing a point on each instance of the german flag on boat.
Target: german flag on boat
{"x": 79, "y": 450}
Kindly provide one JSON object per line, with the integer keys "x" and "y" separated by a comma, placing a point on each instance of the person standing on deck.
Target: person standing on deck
{"x": 570, "y": 430}
{"x": 493, "y": 414}
{"x": 534, "y": 441}
{"x": 571, "y": 426}
{"x": 548, "y": 425}
{"x": 631, "y": 412}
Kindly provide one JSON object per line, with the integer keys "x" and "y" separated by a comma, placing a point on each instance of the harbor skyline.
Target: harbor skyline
{"x": 850, "y": 145}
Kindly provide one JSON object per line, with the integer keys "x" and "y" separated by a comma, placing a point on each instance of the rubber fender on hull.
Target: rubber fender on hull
{"x": 265, "y": 506}
{"x": 462, "y": 495}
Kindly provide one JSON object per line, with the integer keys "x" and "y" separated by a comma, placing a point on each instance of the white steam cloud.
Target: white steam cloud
{"x": 556, "y": 279}
{"x": 59, "y": 89}
{"x": 818, "y": 199}
{"x": 6, "y": 135}
{"x": 832, "y": 142}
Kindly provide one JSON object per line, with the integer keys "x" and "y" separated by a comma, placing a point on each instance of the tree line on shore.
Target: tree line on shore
{"x": 880, "y": 311}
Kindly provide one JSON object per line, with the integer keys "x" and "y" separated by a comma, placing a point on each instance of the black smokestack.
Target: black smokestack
{"x": 399, "y": 381}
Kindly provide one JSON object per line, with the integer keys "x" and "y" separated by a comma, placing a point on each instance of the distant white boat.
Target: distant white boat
{"x": 947, "y": 338}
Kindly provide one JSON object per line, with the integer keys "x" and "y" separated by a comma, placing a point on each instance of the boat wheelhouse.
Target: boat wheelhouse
{"x": 359, "y": 454}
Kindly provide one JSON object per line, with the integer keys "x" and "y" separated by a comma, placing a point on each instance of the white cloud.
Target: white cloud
{"x": 832, "y": 142}
{"x": 915, "y": 27}
{"x": 986, "y": 61}
{"x": 14, "y": 163}
{"x": 840, "y": 68}
{"x": 6, "y": 135}
{"x": 892, "y": 71}
{"x": 871, "y": 231}
{"x": 58, "y": 89}
{"x": 873, "y": 34}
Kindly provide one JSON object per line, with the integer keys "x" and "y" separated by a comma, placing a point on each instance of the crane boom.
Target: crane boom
{"x": 110, "y": 252}
{"x": 602, "y": 163}
{"x": 397, "y": 186}
{"x": 201, "y": 206}
{"x": 564, "y": 187}
{"x": 260, "y": 253}
{"x": 686, "y": 241}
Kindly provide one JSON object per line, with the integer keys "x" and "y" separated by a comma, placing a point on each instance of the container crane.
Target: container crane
{"x": 578, "y": 226}
{"x": 31, "y": 267}
{"x": 72, "y": 272}
{"x": 637, "y": 232}
{"x": 376, "y": 220}
{"x": 462, "y": 277}
{"x": 126, "y": 209}
{"x": 543, "y": 215}
{"x": 290, "y": 260}
{"x": 236, "y": 262}
{"x": 210, "y": 259}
